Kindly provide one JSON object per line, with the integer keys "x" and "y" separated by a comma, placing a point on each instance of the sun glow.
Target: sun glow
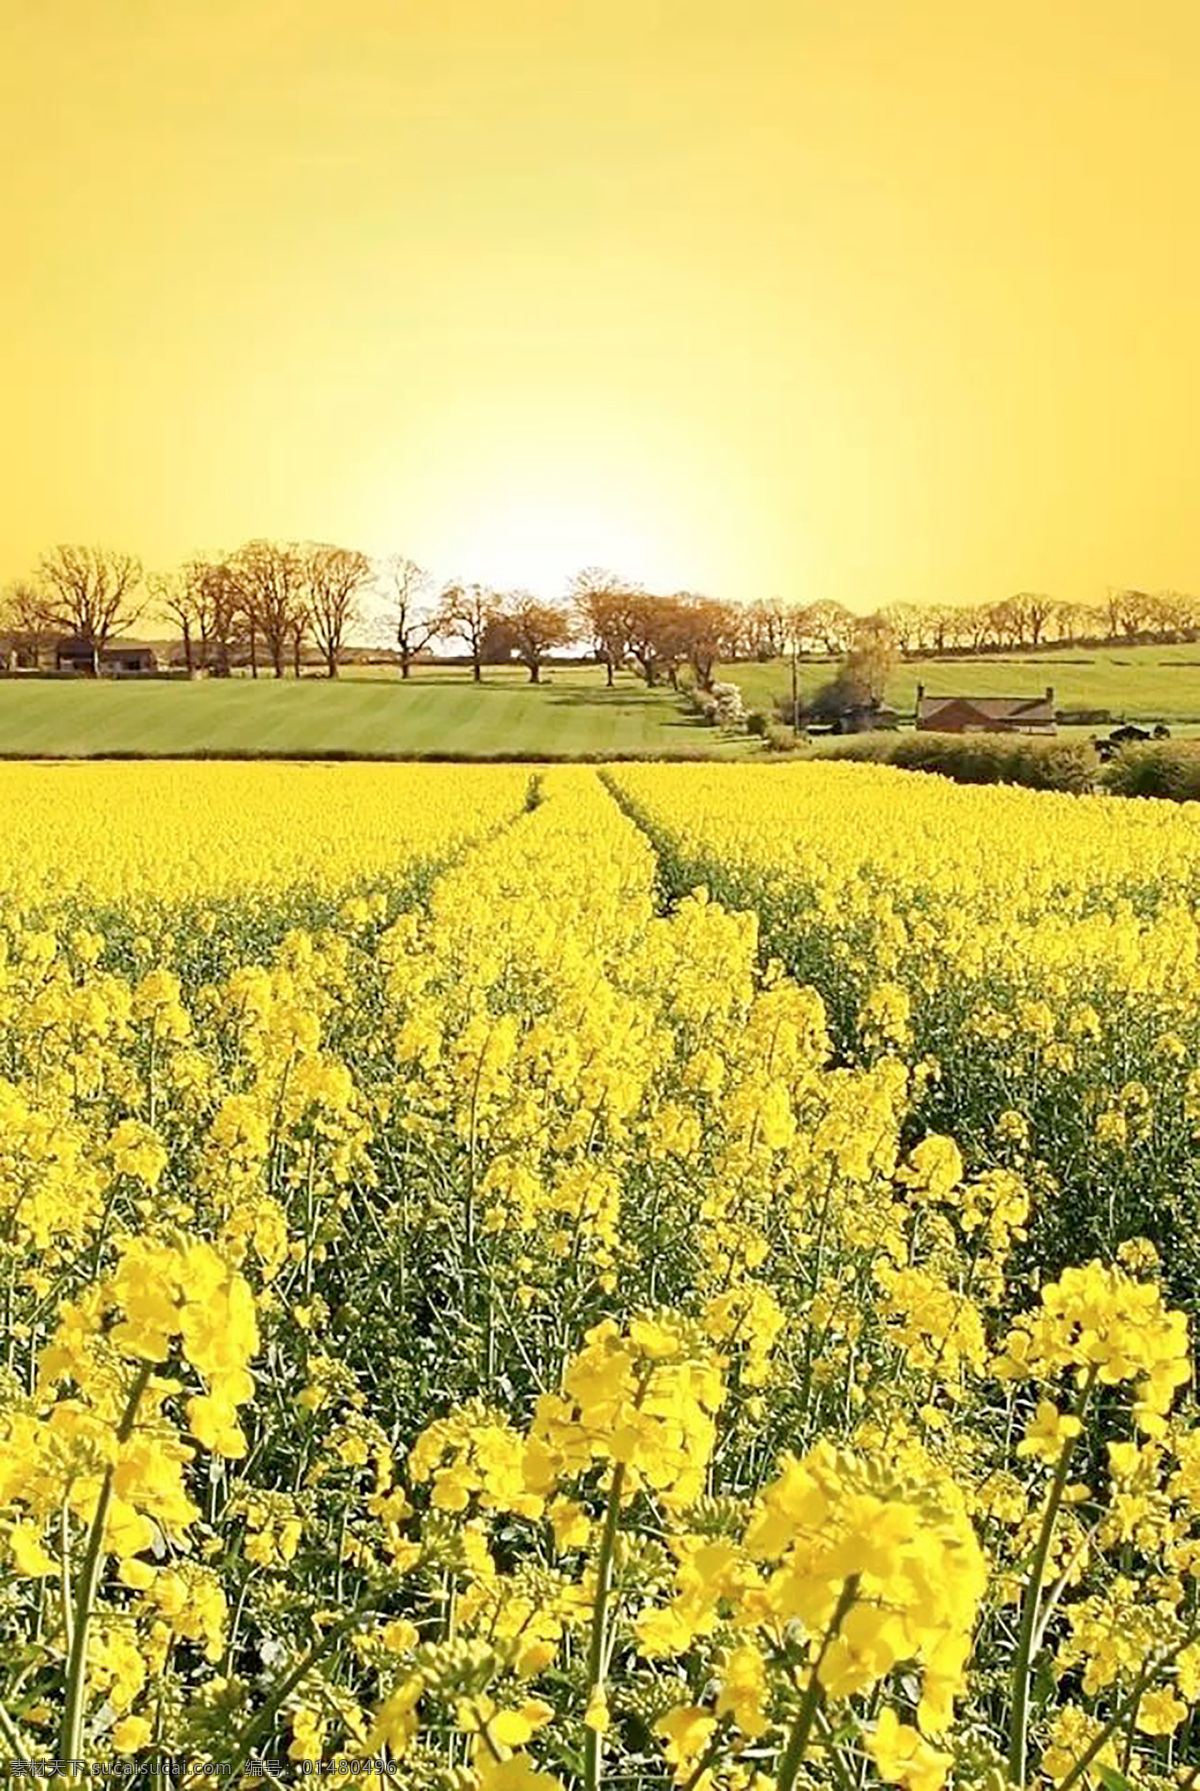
{"x": 537, "y": 543}
{"x": 833, "y": 301}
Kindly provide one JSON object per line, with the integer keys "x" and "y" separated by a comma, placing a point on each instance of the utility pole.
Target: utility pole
{"x": 795, "y": 691}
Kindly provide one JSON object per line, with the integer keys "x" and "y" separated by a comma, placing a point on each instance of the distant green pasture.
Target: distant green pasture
{"x": 436, "y": 712}
{"x": 440, "y": 712}
{"x": 1133, "y": 683}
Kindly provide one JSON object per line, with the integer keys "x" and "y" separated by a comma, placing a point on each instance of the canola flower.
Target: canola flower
{"x": 1034, "y": 958}
{"x": 470, "y": 1321}
{"x": 158, "y": 835}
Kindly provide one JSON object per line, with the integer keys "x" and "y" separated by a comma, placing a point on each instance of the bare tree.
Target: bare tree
{"x": 217, "y": 612}
{"x": 977, "y": 625}
{"x": 675, "y": 633}
{"x": 943, "y": 622}
{"x": 705, "y": 628}
{"x": 1129, "y": 612}
{"x": 764, "y": 628}
{"x": 89, "y": 592}
{"x": 644, "y": 637}
{"x": 1007, "y": 622}
{"x": 1031, "y": 611}
{"x": 802, "y": 634}
{"x": 270, "y": 579}
{"x": 831, "y": 625}
{"x": 602, "y": 602}
{"x": 465, "y": 613}
{"x": 170, "y": 596}
{"x": 23, "y": 618}
{"x": 301, "y": 623}
{"x": 335, "y": 579}
{"x": 537, "y": 628}
{"x": 660, "y": 633}
{"x": 1175, "y": 615}
{"x": 905, "y": 620}
{"x": 413, "y": 621}
{"x": 206, "y": 604}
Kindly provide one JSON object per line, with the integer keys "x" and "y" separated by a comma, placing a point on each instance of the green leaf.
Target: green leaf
{"x": 1111, "y": 1779}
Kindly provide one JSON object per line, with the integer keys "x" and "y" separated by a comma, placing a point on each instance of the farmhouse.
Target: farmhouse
{"x": 119, "y": 659}
{"x": 986, "y": 714}
{"x": 20, "y": 652}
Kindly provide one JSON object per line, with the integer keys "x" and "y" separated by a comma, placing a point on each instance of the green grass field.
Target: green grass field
{"x": 434, "y": 713}
{"x": 1132, "y": 683}
{"x": 440, "y": 712}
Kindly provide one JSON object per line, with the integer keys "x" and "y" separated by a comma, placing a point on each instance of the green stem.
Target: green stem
{"x": 797, "y": 1743}
{"x": 11, "y": 1734}
{"x": 1019, "y": 1735}
{"x": 593, "y": 1754}
{"x": 1149, "y": 1672}
{"x": 594, "y": 1744}
{"x": 707, "y": 1757}
{"x": 64, "y": 1544}
{"x": 70, "y": 1734}
{"x": 262, "y": 1720}
{"x": 833, "y": 1752}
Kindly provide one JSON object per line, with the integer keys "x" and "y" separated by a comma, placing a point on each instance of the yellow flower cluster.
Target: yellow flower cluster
{"x": 643, "y": 1401}
{"x": 1034, "y": 958}
{"x": 155, "y": 835}
{"x": 1105, "y": 1325}
{"x": 513, "y": 1299}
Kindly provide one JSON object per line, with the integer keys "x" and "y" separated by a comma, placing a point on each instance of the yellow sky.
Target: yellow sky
{"x": 877, "y": 300}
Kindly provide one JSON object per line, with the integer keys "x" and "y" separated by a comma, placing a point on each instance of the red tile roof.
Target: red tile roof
{"x": 1032, "y": 709}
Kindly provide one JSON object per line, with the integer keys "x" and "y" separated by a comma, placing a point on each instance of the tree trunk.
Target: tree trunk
{"x": 476, "y": 670}
{"x": 405, "y": 665}
{"x": 535, "y": 673}
{"x": 187, "y": 649}
{"x": 253, "y": 654}
{"x": 332, "y": 664}
{"x": 608, "y": 673}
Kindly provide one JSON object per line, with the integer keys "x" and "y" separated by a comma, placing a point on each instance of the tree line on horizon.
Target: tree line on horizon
{"x": 269, "y": 603}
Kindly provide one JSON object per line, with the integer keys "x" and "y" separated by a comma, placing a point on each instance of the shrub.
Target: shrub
{"x": 865, "y": 748}
{"x": 756, "y": 722}
{"x": 1170, "y": 771}
{"x": 1038, "y": 764}
{"x": 730, "y": 708}
{"x": 779, "y": 738}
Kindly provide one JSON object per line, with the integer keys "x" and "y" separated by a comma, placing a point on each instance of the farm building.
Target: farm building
{"x": 119, "y": 659}
{"x": 986, "y": 714}
{"x": 864, "y": 718}
{"x": 20, "y": 652}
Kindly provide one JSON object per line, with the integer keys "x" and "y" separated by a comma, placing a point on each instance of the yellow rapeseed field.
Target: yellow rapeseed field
{"x": 164, "y": 834}
{"x": 678, "y": 1276}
